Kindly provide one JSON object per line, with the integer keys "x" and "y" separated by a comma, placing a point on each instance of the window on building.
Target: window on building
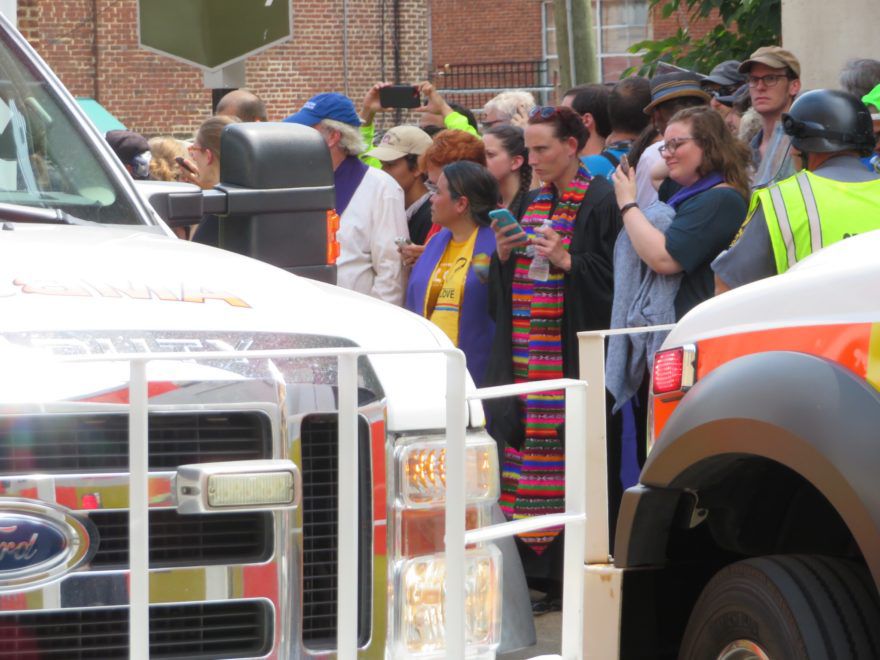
{"x": 618, "y": 23}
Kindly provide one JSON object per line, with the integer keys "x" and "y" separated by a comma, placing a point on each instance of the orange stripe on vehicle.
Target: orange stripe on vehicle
{"x": 855, "y": 346}
{"x": 662, "y": 412}
{"x": 847, "y": 345}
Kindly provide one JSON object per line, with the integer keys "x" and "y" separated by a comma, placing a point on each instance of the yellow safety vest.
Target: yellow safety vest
{"x": 806, "y": 212}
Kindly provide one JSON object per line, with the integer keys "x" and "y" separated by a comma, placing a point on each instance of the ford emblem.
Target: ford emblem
{"x": 27, "y": 542}
{"x": 39, "y": 543}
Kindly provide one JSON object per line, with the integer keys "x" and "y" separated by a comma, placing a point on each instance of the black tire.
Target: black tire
{"x": 794, "y": 607}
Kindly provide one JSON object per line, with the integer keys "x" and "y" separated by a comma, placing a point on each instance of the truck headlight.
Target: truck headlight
{"x": 422, "y": 476}
{"x": 423, "y": 614}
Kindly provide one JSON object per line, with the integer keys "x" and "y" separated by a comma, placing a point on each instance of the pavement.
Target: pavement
{"x": 549, "y": 631}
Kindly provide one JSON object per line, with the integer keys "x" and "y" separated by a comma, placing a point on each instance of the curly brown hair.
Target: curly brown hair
{"x": 722, "y": 152}
{"x": 452, "y": 145}
{"x": 164, "y": 150}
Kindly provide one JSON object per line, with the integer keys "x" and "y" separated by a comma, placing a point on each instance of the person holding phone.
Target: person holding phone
{"x": 709, "y": 165}
{"x": 203, "y": 169}
{"x": 448, "y": 147}
{"x": 449, "y": 283}
{"x": 572, "y": 221}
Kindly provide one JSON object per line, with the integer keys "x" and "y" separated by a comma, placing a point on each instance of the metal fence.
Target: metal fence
{"x": 472, "y": 85}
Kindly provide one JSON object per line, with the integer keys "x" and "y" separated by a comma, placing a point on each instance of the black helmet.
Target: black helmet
{"x": 828, "y": 120}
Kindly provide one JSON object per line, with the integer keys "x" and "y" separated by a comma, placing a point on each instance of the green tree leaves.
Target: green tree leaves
{"x": 745, "y": 26}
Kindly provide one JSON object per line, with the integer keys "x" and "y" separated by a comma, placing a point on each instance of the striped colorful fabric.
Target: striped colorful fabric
{"x": 532, "y": 479}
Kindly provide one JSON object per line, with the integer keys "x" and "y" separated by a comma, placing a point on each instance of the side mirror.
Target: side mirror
{"x": 273, "y": 157}
{"x": 275, "y": 199}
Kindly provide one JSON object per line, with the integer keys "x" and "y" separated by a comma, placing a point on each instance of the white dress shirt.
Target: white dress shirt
{"x": 368, "y": 261}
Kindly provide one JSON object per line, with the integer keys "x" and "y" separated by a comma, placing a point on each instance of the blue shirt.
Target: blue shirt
{"x": 599, "y": 165}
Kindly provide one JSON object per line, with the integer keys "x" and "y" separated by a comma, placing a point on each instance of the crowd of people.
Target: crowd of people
{"x": 624, "y": 205}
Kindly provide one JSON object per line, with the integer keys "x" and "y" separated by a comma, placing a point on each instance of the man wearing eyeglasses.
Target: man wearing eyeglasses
{"x": 833, "y": 198}
{"x": 773, "y": 75}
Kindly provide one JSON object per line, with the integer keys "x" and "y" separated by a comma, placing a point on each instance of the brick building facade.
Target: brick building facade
{"x": 93, "y": 47}
{"x": 484, "y": 31}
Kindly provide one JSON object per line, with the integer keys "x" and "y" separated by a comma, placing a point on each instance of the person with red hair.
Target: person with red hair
{"x": 449, "y": 146}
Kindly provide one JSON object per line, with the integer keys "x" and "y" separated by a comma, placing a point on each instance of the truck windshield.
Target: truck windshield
{"x": 45, "y": 159}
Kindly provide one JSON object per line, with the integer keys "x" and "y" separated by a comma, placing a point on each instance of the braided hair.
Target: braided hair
{"x": 513, "y": 141}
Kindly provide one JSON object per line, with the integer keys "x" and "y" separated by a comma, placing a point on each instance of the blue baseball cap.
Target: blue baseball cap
{"x": 330, "y": 105}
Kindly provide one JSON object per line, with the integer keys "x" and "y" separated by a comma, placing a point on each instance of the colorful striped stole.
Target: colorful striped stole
{"x": 533, "y": 477}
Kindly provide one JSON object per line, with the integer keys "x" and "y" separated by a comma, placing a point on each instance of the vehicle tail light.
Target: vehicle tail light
{"x": 674, "y": 371}
{"x": 332, "y": 243}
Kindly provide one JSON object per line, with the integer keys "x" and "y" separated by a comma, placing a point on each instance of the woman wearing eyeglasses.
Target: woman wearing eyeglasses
{"x": 448, "y": 282}
{"x": 710, "y": 164}
{"x": 572, "y": 221}
{"x": 204, "y": 154}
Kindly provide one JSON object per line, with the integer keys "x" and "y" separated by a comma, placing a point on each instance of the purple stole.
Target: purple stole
{"x": 709, "y": 181}
{"x": 346, "y": 179}
{"x": 475, "y": 327}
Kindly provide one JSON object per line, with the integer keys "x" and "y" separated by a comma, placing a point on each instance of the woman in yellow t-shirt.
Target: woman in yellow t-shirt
{"x": 448, "y": 282}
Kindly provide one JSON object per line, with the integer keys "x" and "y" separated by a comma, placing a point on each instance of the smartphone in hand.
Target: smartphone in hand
{"x": 624, "y": 164}
{"x": 185, "y": 164}
{"x": 400, "y": 241}
{"x": 399, "y": 96}
{"x": 507, "y": 223}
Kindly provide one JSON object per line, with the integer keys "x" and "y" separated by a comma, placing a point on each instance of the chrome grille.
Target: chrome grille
{"x": 320, "y": 464}
{"x": 66, "y": 443}
{"x": 200, "y": 631}
{"x": 192, "y": 540}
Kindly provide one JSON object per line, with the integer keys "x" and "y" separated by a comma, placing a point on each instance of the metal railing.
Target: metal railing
{"x": 603, "y": 582}
{"x": 586, "y": 498}
{"x": 574, "y": 518}
{"x": 472, "y": 85}
{"x": 457, "y": 537}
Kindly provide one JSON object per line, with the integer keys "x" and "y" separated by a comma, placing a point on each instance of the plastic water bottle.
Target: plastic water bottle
{"x": 539, "y": 269}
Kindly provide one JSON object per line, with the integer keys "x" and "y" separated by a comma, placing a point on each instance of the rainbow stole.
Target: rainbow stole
{"x": 533, "y": 477}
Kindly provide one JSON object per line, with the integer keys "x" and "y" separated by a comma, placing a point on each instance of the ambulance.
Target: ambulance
{"x": 754, "y": 531}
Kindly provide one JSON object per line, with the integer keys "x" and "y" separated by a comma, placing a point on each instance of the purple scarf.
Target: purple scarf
{"x": 709, "y": 181}
{"x": 346, "y": 178}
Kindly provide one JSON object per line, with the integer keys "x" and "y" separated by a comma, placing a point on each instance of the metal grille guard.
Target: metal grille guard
{"x": 584, "y": 475}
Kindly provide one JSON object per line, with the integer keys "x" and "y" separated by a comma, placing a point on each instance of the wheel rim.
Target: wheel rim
{"x": 743, "y": 649}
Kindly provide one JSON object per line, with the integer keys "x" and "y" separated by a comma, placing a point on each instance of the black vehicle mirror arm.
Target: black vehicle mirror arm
{"x": 186, "y": 208}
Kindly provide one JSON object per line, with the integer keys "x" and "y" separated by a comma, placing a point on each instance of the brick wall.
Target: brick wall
{"x": 93, "y": 47}
{"x": 666, "y": 27}
{"x": 469, "y": 31}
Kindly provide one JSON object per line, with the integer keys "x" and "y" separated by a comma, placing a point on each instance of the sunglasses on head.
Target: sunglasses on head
{"x": 542, "y": 111}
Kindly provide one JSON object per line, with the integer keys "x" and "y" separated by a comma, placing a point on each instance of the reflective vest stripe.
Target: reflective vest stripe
{"x": 784, "y": 225}
{"x": 812, "y": 212}
{"x": 807, "y": 212}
